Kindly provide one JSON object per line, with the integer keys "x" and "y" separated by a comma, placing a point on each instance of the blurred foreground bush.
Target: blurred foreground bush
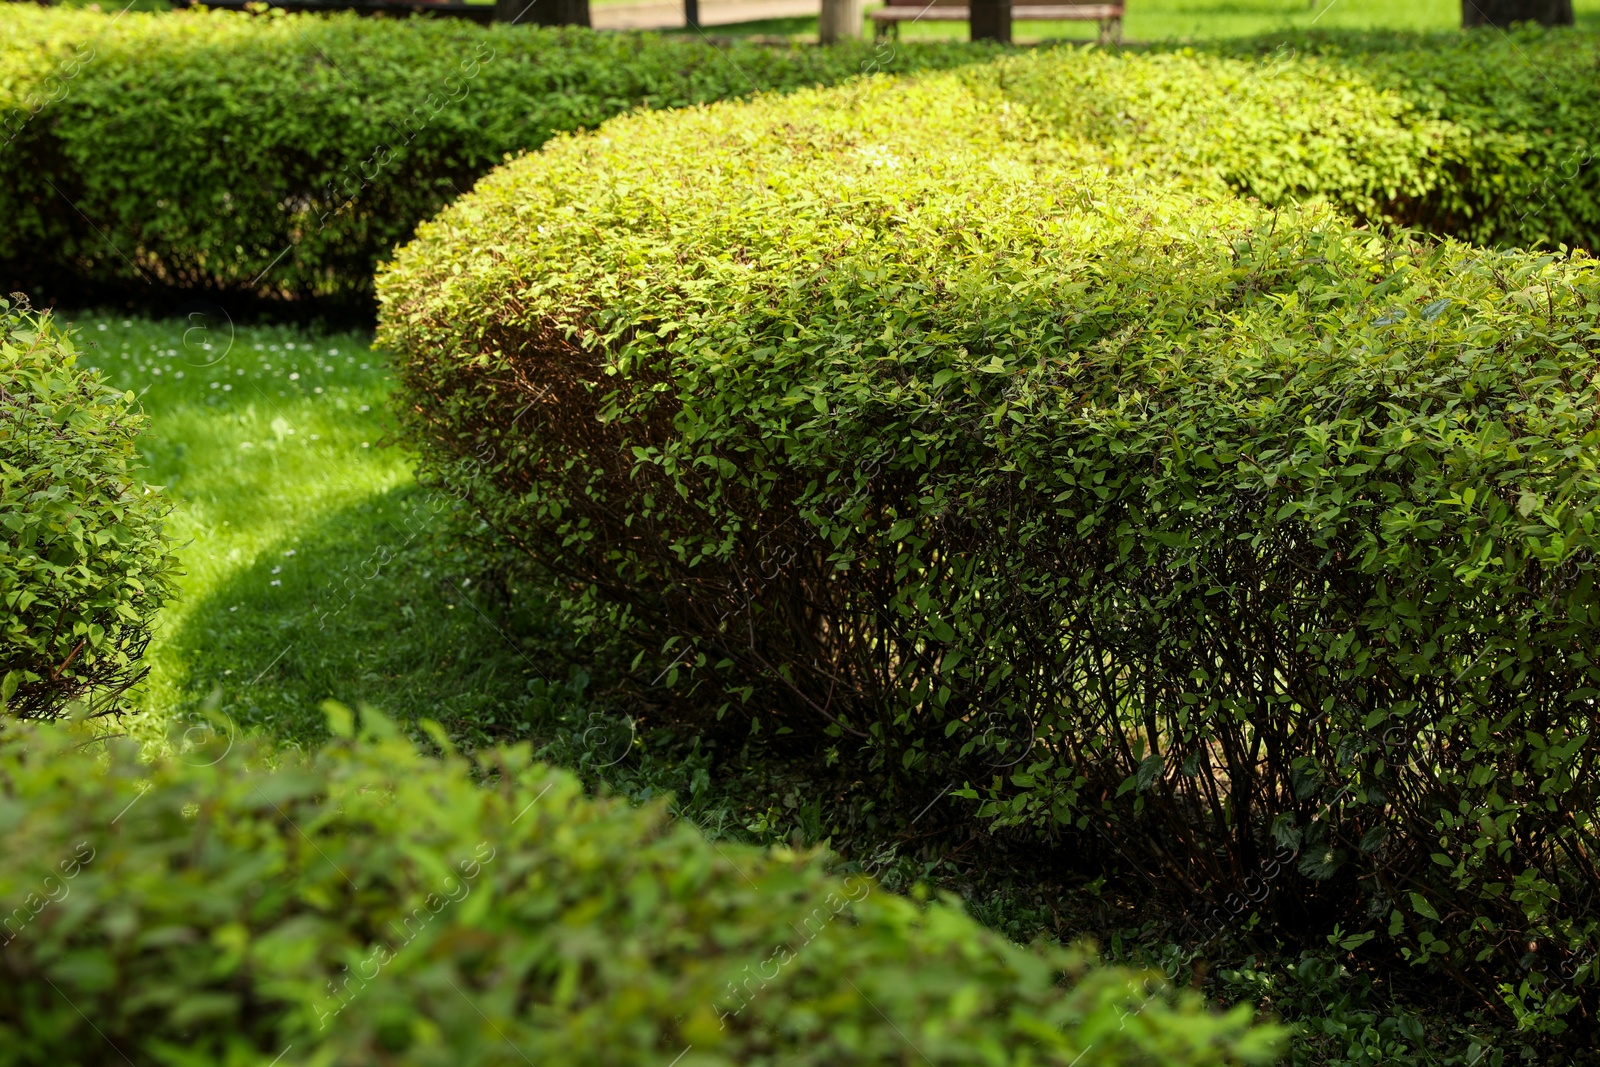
{"x": 372, "y": 905}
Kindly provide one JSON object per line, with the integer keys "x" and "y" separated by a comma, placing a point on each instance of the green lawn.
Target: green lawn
{"x": 316, "y": 567}
{"x": 1162, "y": 20}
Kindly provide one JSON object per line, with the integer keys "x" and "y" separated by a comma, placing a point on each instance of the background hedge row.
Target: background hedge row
{"x": 285, "y": 156}
{"x": 370, "y": 905}
{"x": 1240, "y": 552}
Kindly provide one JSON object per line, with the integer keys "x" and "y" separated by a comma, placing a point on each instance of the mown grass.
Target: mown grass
{"x": 1193, "y": 20}
{"x": 315, "y": 567}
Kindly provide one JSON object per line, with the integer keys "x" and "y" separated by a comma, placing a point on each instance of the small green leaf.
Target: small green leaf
{"x": 341, "y": 720}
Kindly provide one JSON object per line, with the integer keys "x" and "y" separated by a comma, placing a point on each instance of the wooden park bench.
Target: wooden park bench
{"x": 887, "y": 20}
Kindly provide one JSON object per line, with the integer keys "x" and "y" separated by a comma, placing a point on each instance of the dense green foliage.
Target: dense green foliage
{"x": 1247, "y": 553}
{"x": 972, "y": 432}
{"x": 1482, "y": 136}
{"x": 84, "y": 562}
{"x": 286, "y": 156}
{"x": 371, "y": 905}
{"x": 427, "y": 636}
{"x": 1526, "y": 104}
{"x": 1281, "y": 127}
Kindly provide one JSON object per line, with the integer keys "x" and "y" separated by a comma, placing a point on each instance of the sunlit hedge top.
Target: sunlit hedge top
{"x": 1524, "y": 111}
{"x": 1223, "y": 528}
{"x": 371, "y": 905}
{"x": 284, "y": 156}
{"x": 1281, "y": 128}
{"x": 1477, "y": 136}
{"x": 726, "y": 288}
{"x": 84, "y": 564}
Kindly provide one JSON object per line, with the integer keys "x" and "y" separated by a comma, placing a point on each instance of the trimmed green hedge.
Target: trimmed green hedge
{"x": 1524, "y": 108}
{"x": 1481, "y": 136}
{"x": 286, "y": 156}
{"x": 371, "y": 905}
{"x": 1237, "y": 549}
{"x": 84, "y": 564}
{"x": 1282, "y": 128}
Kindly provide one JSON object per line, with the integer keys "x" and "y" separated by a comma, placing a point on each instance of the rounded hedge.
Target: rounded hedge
{"x": 283, "y": 157}
{"x": 84, "y": 562}
{"x": 1247, "y": 554}
{"x": 367, "y": 904}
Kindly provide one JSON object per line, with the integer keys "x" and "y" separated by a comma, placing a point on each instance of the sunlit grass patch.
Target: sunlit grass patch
{"x": 315, "y": 567}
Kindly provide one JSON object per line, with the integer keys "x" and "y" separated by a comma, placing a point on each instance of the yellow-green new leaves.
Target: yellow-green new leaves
{"x": 368, "y": 905}
{"x": 286, "y": 156}
{"x": 84, "y": 564}
{"x": 1480, "y": 136}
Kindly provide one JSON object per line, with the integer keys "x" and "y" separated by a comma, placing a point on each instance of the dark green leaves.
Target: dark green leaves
{"x": 287, "y": 156}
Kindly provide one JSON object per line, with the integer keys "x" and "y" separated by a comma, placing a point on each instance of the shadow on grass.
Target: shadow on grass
{"x": 379, "y": 604}
{"x": 383, "y": 604}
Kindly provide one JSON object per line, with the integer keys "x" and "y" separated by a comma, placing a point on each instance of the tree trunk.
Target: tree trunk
{"x": 542, "y": 12}
{"x": 991, "y": 20}
{"x": 840, "y": 21}
{"x": 1504, "y": 12}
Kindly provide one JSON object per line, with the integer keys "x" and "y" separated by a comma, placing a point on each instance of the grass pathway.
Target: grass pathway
{"x": 315, "y": 567}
